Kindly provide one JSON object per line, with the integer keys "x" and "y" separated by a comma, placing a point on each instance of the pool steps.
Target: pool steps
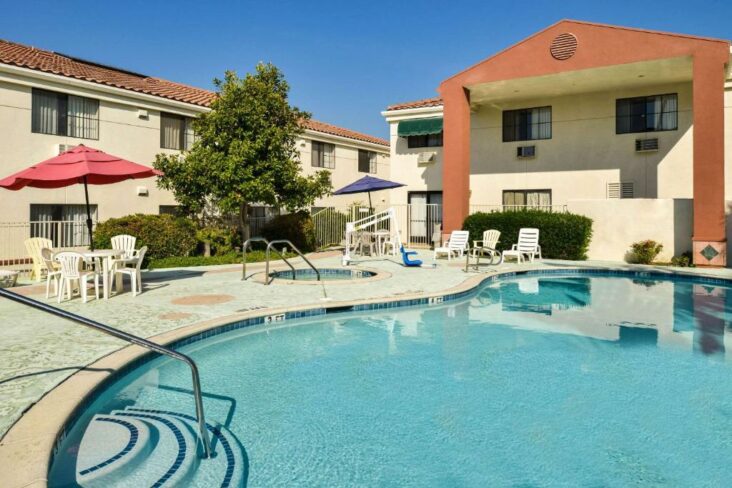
{"x": 157, "y": 448}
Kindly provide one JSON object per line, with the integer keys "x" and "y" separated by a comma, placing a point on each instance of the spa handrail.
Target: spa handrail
{"x": 139, "y": 341}
{"x": 294, "y": 248}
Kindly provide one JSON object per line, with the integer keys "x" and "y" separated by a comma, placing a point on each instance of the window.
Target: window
{"x": 323, "y": 155}
{"x": 366, "y": 161}
{"x": 65, "y": 225}
{"x": 646, "y": 114}
{"x": 527, "y": 199}
{"x": 176, "y": 132}
{"x": 64, "y": 115}
{"x": 527, "y": 124}
{"x": 427, "y": 140}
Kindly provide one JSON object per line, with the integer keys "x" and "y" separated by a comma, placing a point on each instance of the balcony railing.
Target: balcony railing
{"x": 63, "y": 235}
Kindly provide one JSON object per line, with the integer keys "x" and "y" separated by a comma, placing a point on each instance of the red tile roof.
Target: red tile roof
{"x": 339, "y": 131}
{"x": 59, "y": 64}
{"x": 427, "y": 102}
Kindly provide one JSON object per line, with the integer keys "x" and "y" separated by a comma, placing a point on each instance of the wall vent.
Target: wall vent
{"x": 620, "y": 190}
{"x": 526, "y": 151}
{"x": 643, "y": 145}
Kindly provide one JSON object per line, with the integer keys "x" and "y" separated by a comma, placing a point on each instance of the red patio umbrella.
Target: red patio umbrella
{"x": 81, "y": 164}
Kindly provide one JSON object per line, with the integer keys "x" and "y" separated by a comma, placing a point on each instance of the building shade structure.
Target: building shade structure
{"x": 420, "y": 127}
{"x": 571, "y": 58}
{"x": 80, "y": 165}
{"x": 367, "y": 184}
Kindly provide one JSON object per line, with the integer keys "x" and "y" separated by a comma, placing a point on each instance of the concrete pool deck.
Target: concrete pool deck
{"x": 37, "y": 352}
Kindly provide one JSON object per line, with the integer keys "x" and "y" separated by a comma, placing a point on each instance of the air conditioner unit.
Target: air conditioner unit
{"x": 526, "y": 151}
{"x": 620, "y": 190}
{"x": 62, "y": 148}
{"x": 142, "y": 191}
{"x": 644, "y": 145}
{"x": 426, "y": 157}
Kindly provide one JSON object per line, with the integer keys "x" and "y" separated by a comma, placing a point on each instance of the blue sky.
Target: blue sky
{"x": 345, "y": 60}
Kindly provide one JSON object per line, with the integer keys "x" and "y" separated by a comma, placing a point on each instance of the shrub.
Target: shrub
{"x": 215, "y": 241}
{"x": 644, "y": 252}
{"x": 164, "y": 235}
{"x": 297, "y": 227}
{"x": 190, "y": 261}
{"x": 561, "y": 235}
{"x": 683, "y": 261}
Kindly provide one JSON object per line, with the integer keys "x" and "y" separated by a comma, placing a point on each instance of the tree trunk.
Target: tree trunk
{"x": 244, "y": 221}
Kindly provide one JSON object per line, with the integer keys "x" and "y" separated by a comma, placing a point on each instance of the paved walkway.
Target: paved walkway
{"x": 38, "y": 351}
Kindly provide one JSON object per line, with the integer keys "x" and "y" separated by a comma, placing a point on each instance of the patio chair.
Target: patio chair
{"x": 457, "y": 244}
{"x": 71, "y": 272}
{"x": 53, "y": 271}
{"x": 34, "y": 246}
{"x": 126, "y": 244}
{"x": 133, "y": 272}
{"x": 366, "y": 240}
{"x": 487, "y": 245}
{"x": 528, "y": 246}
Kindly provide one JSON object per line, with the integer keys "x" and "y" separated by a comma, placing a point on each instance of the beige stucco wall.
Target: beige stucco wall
{"x": 123, "y": 133}
{"x": 618, "y": 223}
{"x": 584, "y": 153}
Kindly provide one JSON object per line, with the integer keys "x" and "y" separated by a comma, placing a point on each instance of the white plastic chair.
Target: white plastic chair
{"x": 134, "y": 273}
{"x": 71, "y": 271}
{"x": 488, "y": 244}
{"x": 528, "y": 245}
{"x": 53, "y": 272}
{"x": 457, "y": 244}
{"x": 126, "y": 244}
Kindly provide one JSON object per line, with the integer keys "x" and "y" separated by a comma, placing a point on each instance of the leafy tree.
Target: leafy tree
{"x": 245, "y": 151}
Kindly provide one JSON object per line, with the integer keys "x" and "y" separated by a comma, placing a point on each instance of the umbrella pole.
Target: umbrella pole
{"x": 88, "y": 215}
{"x": 371, "y": 208}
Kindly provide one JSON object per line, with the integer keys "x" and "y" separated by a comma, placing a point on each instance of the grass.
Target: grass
{"x": 191, "y": 261}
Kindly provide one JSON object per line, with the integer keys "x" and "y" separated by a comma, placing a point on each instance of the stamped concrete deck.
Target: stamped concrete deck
{"x": 38, "y": 351}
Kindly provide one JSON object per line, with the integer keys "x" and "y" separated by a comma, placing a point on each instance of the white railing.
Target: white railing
{"x": 517, "y": 208}
{"x": 419, "y": 224}
{"x": 63, "y": 234}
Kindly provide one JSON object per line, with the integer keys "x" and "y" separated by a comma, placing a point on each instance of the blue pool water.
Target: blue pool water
{"x": 326, "y": 274}
{"x": 533, "y": 381}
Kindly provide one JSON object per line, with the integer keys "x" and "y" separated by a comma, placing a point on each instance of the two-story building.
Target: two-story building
{"x": 51, "y": 101}
{"x": 624, "y": 125}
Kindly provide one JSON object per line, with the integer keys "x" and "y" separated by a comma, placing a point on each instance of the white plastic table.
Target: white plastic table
{"x": 105, "y": 255}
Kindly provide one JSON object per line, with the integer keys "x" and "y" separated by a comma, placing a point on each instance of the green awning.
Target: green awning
{"x": 419, "y": 127}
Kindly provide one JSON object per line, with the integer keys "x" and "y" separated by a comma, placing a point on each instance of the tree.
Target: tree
{"x": 245, "y": 151}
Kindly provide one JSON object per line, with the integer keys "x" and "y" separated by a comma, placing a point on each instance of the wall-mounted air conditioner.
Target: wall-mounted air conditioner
{"x": 142, "y": 191}
{"x": 620, "y": 190}
{"x": 426, "y": 158}
{"x": 526, "y": 152}
{"x": 62, "y": 148}
{"x": 645, "y": 145}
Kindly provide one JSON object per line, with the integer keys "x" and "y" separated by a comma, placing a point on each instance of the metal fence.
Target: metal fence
{"x": 419, "y": 224}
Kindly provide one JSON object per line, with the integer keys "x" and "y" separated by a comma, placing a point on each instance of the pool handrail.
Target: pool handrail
{"x": 270, "y": 244}
{"x": 133, "y": 339}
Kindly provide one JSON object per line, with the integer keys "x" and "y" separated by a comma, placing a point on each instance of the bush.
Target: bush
{"x": 683, "y": 261}
{"x": 644, "y": 252}
{"x": 297, "y": 227}
{"x": 164, "y": 235}
{"x": 561, "y": 235}
{"x": 191, "y": 261}
{"x": 215, "y": 241}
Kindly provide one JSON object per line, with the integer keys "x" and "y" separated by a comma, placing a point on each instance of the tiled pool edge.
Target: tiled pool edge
{"x": 87, "y": 384}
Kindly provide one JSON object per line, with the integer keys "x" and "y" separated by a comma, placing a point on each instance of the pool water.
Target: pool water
{"x": 326, "y": 274}
{"x": 576, "y": 380}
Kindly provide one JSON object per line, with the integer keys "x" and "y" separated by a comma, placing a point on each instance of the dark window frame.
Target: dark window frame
{"x": 426, "y": 140}
{"x": 183, "y": 141}
{"x": 637, "y": 119}
{"x": 321, "y": 162}
{"x": 515, "y": 124}
{"x": 365, "y": 162}
{"x": 62, "y": 122}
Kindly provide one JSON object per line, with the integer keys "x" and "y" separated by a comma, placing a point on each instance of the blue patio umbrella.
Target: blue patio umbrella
{"x": 367, "y": 184}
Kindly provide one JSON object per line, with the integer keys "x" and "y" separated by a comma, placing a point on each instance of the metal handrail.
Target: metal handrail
{"x": 139, "y": 341}
{"x": 247, "y": 245}
{"x": 267, "y": 279}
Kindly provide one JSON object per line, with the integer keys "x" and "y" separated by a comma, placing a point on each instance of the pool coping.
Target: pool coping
{"x": 30, "y": 443}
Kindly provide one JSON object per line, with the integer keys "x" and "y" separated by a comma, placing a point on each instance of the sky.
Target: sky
{"x": 346, "y": 61}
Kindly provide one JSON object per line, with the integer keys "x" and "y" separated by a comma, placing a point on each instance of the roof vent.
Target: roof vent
{"x": 563, "y": 46}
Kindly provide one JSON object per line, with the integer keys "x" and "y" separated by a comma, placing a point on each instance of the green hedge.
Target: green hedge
{"x": 561, "y": 235}
{"x": 190, "y": 261}
{"x": 297, "y": 227}
{"x": 164, "y": 235}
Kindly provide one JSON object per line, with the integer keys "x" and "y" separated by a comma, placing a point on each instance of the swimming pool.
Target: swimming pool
{"x": 326, "y": 274}
{"x": 576, "y": 379}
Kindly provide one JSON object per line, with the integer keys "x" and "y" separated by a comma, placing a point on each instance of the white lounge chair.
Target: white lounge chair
{"x": 527, "y": 246}
{"x": 133, "y": 273}
{"x": 457, "y": 244}
{"x": 71, "y": 271}
{"x": 487, "y": 245}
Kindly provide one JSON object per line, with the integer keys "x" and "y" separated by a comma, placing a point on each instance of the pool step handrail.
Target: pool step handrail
{"x": 132, "y": 339}
{"x": 270, "y": 244}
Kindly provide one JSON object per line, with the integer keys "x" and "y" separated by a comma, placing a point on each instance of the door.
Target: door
{"x": 425, "y": 214}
